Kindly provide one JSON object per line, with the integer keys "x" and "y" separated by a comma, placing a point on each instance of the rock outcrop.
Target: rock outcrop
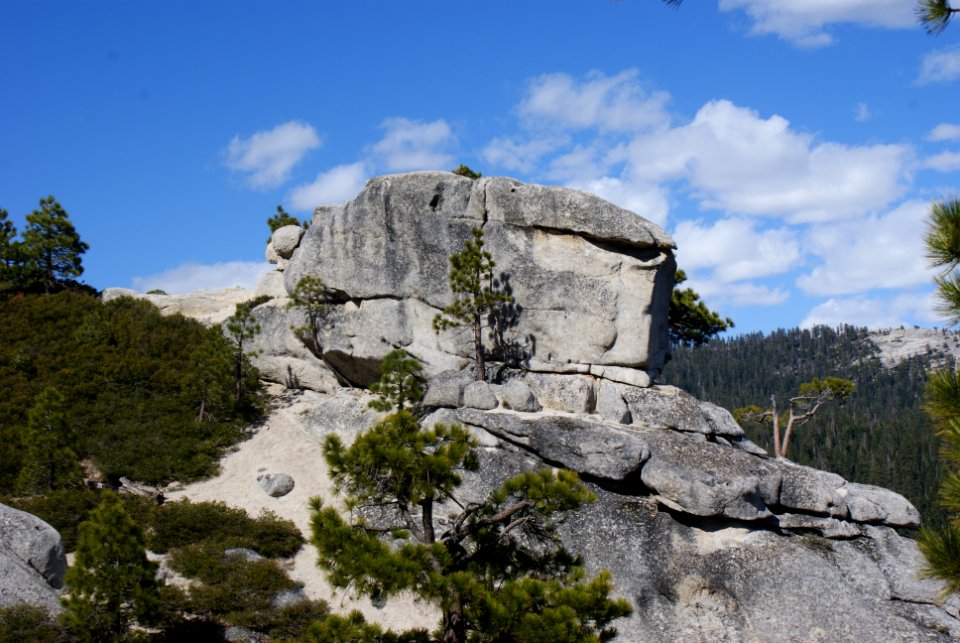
{"x": 708, "y": 537}
{"x": 590, "y": 281}
{"x": 32, "y": 560}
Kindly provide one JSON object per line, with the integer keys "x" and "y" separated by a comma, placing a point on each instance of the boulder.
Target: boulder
{"x": 206, "y": 306}
{"x": 590, "y": 281}
{"x": 276, "y": 485}
{"x": 517, "y": 396}
{"x": 446, "y": 389}
{"x": 479, "y": 395}
{"x": 32, "y": 560}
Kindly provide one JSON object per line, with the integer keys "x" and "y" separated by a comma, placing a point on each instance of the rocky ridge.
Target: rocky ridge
{"x": 707, "y": 536}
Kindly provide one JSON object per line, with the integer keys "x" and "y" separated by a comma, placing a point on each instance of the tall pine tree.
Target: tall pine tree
{"x": 111, "y": 585}
{"x": 49, "y": 459}
{"x": 51, "y": 249}
{"x": 942, "y": 546}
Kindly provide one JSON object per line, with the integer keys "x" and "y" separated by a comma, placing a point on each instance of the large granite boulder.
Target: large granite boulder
{"x": 32, "y": 560}
{"x": 590, "y": 281}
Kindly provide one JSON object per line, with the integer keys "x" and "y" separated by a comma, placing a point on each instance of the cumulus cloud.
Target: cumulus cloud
{"x": 520, "y": 156}
{"x": 940, "y": 66}
{"x": 735, "y": 250}
{"x": 189, "y": 277}
{"x": 716, "y": 293}
{"x": 414, "y": 145}
{"x": 874, "y": 312}
{"x": 944, "y": 132}
{"x": 267, "y": 157}
{"x": 943, "y": 162}
{"x": 803, "y": 22}
{"x": 337, "y": 185}
{"x": 609, "y": 103}
{"x": 875, "y": 252}
{"x": 740, "y": 162}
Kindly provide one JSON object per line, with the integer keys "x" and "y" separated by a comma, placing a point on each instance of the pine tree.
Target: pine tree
{"x": 472, "y": 284}
{"x": 496, "y": 570}
{"x": 49, "y": 461}
{"x": 206, "y": 382}
{"x": 9, "y": 251}
{"x": 935, "y": 15}
{"x": 51, "y": 248}
{"x": 941, "y": 546}
{"x": 283, "y": 218}
{"x": 111, "y": 584}
{"x": 691, "y": 323}
{"x": 812, "y": 397}
{"x": 241, "y": 328}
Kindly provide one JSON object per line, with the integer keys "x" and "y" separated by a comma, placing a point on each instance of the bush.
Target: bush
{"x": 183, "y": 523}
{"x": 29, "y": 624}
{"x": 243, "y": 592}
{"x": 65, "y": 509}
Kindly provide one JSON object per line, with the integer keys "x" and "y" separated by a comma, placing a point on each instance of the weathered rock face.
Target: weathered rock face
{"x": 708, "y": 537}
{"x": 590, "y": 281}
{"x": 32, "y": 560}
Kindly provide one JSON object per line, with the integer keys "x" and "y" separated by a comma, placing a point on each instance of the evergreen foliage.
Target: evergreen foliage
{"x": 8, "y": 252}
{"x": 135, "y": 384}
{"x": 879, "y": 436}
{"x": 801, "y": 408}
{"x": 690, "y": 322}
{"x": 941, "y": 545}
{"x": 50, "y": 250}
{"x": 283, "y": 218}
{"x": 111, "y": 585}
{"x": 49, "y": 461}
{"x": 312, "y": 298}
{"x": 472, "y": 284}
{"x": 241, "y": 329}
{"x": 25, "y": 623}
{"x": 934, "y": 15}
{"x": 401, "y": 386}
{"x": 496, "y": 571}
{"x": 463, "y": 170}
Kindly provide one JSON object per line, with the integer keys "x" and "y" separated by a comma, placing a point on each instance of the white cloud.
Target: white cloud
{"x": 715, "y": 292}
{"x": 875, "y": 252}
{"x": 940, "y": 66}
{"x": 190, "y": 277}
{"x": 609, "y": 103}
{"x": 649, "y": 201}
{"x": 735, "y": 250}
{"x": 863, "y": 113}
{"x": 414, "y": 145}
{"x": 943, "y": 162}
{"x": 267, "y": 157}
{"x": 521, "y": 157}
{"x": 337, "y": 185}
{"x": 803, "y": 21}
{"x": 737, "y": 161}
{"x": 944, "y": 132}
{"x": 893, "y": 312}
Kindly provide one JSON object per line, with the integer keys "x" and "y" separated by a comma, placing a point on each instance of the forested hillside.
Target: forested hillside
{"x": 880, "y": 435}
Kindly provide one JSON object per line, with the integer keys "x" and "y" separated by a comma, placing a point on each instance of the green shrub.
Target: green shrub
{"x": 29, "y": 624}
{"x": 238, "y": 591}
{"x": 183, "y": 523}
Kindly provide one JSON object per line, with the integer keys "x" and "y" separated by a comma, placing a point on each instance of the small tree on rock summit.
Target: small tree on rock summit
{"x": 472, "y": 283}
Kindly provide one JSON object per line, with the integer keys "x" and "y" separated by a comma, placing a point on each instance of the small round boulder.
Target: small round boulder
{"x": 276, "y": 484}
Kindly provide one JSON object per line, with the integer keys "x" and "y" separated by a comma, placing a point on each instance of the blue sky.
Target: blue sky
{"x": 791, "y": 148}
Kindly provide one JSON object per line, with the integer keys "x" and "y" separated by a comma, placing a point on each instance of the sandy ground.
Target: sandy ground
{"x": 282, "y": 446}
